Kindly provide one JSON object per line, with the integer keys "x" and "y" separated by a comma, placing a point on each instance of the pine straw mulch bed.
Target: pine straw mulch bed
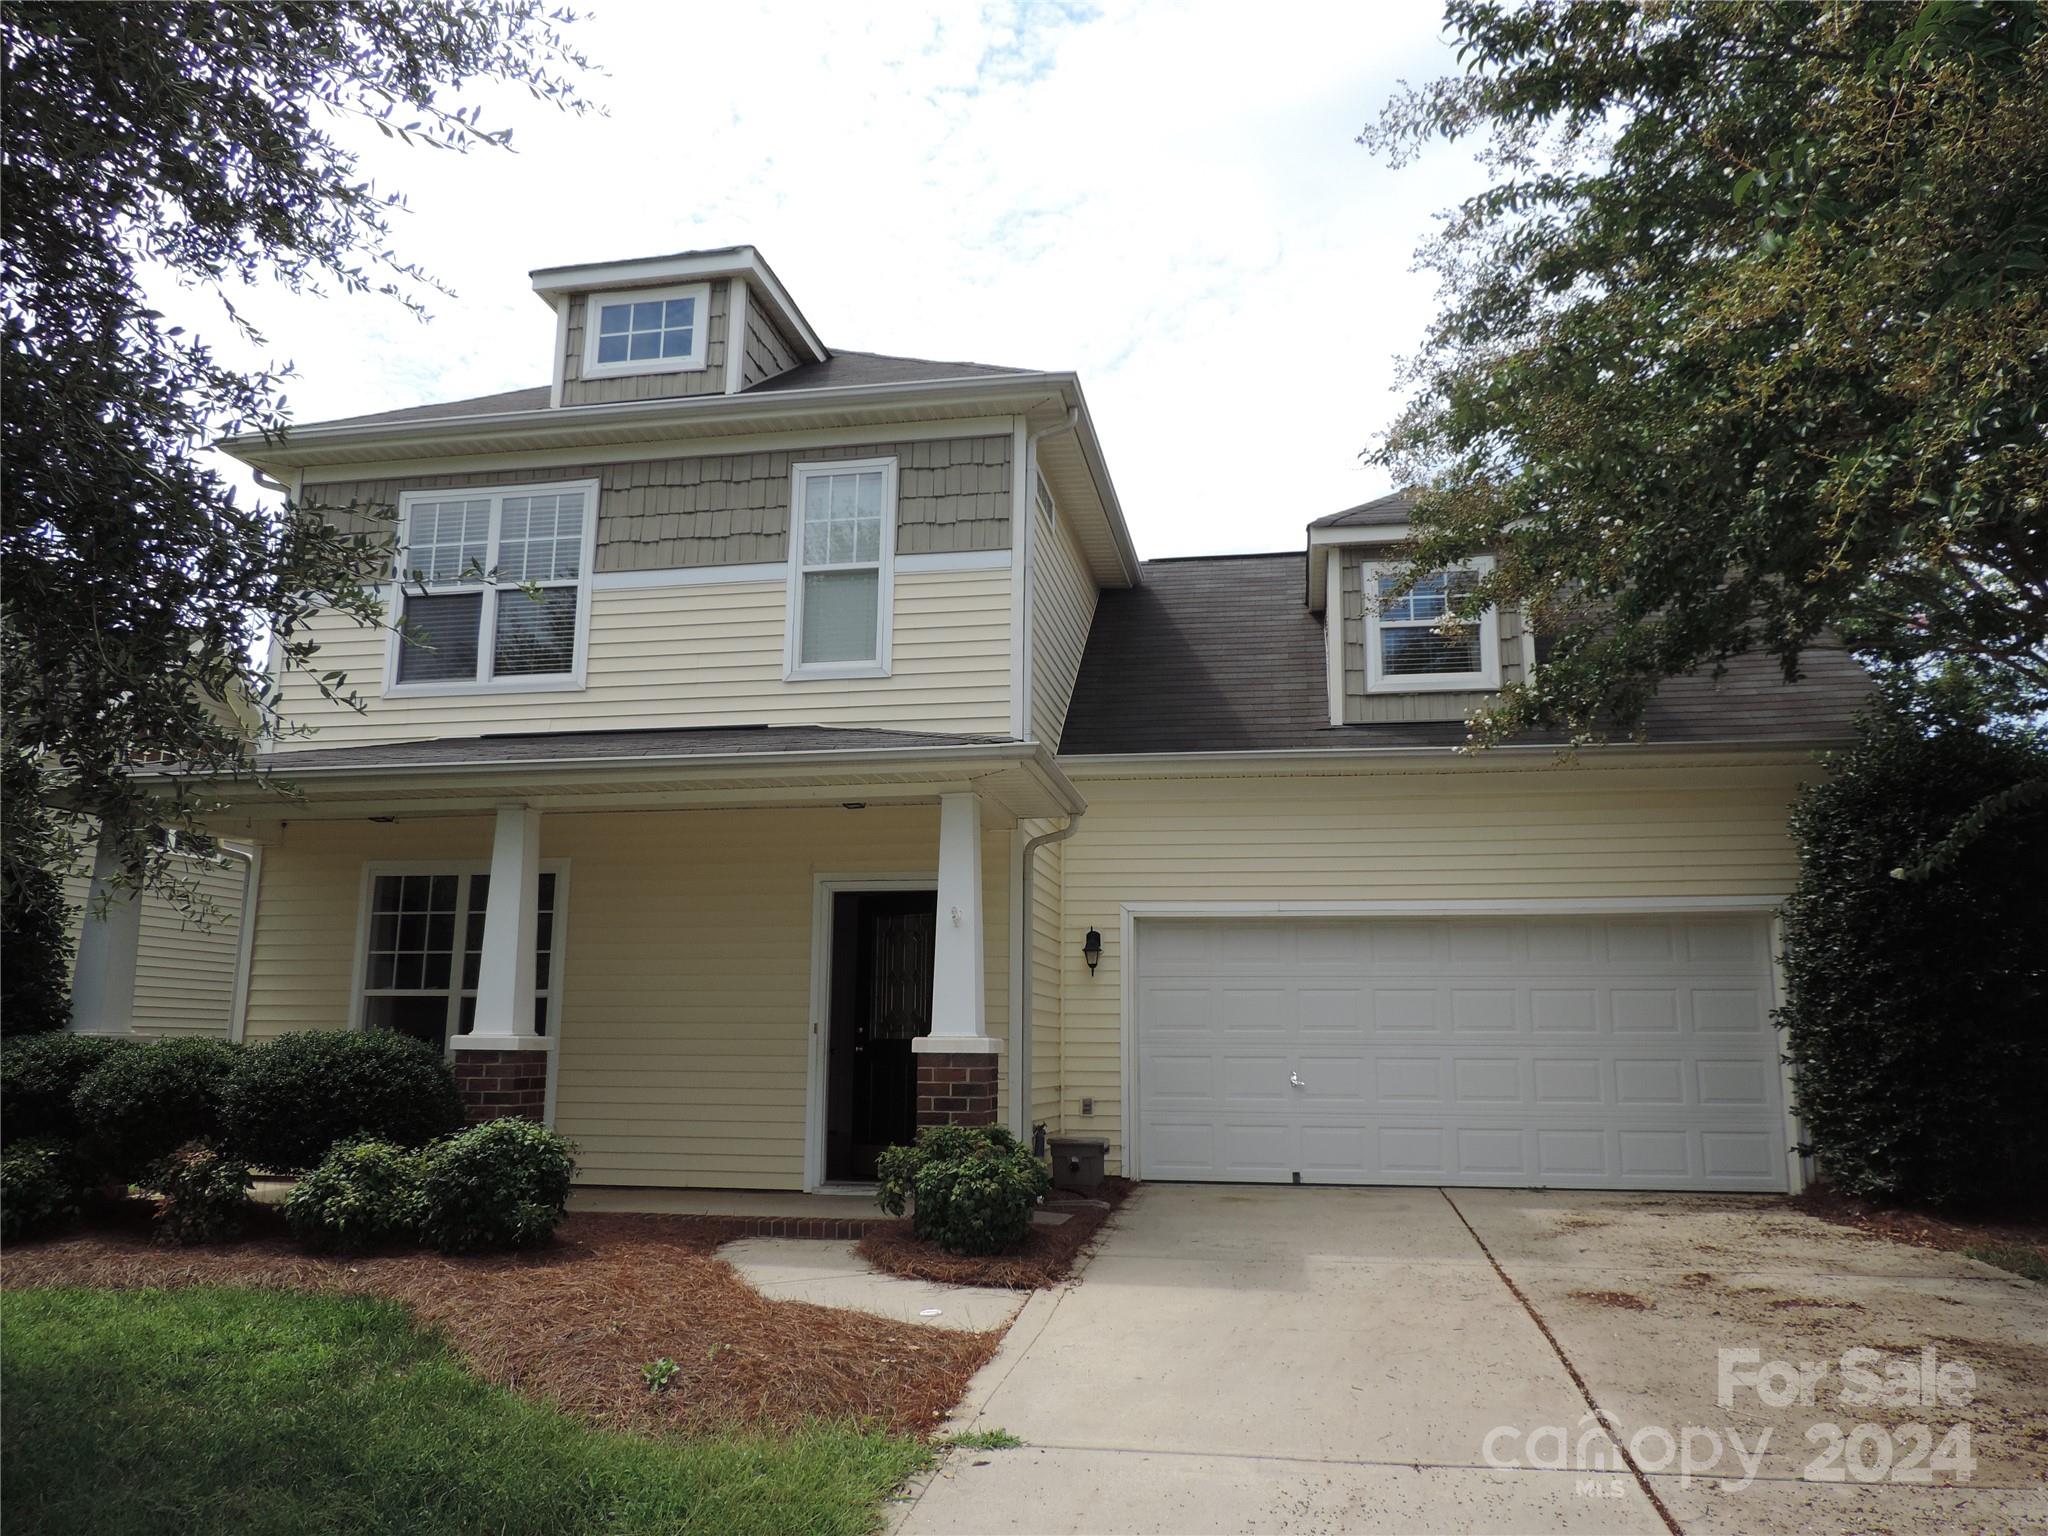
{"x": 1048, "y": 1256}
{"x": 574, "y": 1323}
{"x": 1924, "y": 1229}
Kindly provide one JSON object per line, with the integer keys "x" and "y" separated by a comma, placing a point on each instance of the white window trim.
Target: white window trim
{"x": 794, "y": 668}
{"x": 394, "y": 599}
{"x": 700, "y": 333}
{"x": 359, "y": 992}
{"x": 1486, "y": 679}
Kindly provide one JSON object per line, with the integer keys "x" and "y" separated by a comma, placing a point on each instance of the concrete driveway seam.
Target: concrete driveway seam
{"x": 1571, "y": 1370}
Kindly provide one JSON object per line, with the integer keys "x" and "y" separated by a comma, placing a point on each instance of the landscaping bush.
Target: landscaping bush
{"x": 974, "y": 1187}
{"x": 142, "y": 1104}
{"x": 502, "y": 1184}
{"x": 206, "y": 1195}
{"x": 363, "y": 1193}
{"x": 39, "y": 1074}
{"x": 293, "y": 1098}
{"x": 38, "y": 1187}
{"x": 1916, "y": 964}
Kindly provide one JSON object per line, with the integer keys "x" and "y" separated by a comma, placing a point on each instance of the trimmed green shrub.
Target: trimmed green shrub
{"x": 293, "y": 1098}
{"x": 38, "y": 1187}
{"x": 141, "y": 1105}
{"x": 973, "y": 1187}
{"x": 39, "y": 1074}
{"x": 502, "y": 1184}
{"x": 1916, "y": 964}
{"x": 364, "y": 1193}
{"x": 206, "y": 1195}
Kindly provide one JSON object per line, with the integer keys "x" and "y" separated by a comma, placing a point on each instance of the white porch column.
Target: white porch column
{"x": 103, "y": 982}
{"x": 505, "y": 980}
{"x": 959, "y": 1002}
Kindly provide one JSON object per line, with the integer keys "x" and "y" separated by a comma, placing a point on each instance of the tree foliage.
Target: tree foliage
{"x": 206, "y": 145}
{"x": 1916, "y": 971}
{"x": 1746, "y": 346}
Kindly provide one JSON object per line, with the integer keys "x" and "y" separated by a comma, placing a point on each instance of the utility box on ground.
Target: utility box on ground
{"x": 1077, "y": 1163}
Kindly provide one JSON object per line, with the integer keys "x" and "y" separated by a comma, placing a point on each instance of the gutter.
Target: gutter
{"x": 997, "y": 753}
{"x": 757, "y": 402}
{"x": 1096, "y": 763}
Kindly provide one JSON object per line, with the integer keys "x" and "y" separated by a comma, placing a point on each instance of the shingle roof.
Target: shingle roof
{"x": 585, "y": 746}
{"x": 1221, "y": 655}
{"x": 842, "y": 370}
{"x": 535, "y": 399}
{"x": 1377, "y": 513}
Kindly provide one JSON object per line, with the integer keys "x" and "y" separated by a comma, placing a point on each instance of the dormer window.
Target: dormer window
{"x": 1414, "y": 641}
{"x": 651, "y": 330}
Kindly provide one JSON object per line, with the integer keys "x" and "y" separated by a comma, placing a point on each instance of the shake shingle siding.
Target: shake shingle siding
{"x": 733, "y": 509}
{"x": 768, "y": 353}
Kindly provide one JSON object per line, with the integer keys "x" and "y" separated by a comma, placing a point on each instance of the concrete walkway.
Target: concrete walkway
{"x": 1336, "y": 1360}
{"x": 832, "y": 1274}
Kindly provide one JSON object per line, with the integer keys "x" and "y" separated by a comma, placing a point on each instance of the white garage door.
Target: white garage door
{"x": 1576, "y": 1052}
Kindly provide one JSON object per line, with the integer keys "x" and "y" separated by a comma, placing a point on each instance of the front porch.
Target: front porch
{"x": 667, "y": 989}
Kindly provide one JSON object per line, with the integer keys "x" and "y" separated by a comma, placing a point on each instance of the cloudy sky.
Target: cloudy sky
{"x": 1164, "y": 197}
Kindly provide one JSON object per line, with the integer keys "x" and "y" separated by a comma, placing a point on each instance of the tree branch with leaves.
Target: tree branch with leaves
{"x": 1746, "y": 348}
{"x": 207, "y": 145}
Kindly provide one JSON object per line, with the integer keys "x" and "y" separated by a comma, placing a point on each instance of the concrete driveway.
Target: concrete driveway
{"x": 1414, "y": 1360}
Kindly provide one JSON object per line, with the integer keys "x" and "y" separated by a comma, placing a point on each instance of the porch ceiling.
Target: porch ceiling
{"x": 664, "y": 770}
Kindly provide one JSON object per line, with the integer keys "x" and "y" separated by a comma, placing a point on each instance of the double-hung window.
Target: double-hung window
{"x": 651, "y": 330}
{"x": 423, "y": 950}
{"x": 1416, "y": 640}
{"x": 842, "y": 558}
{"x": 494, "y": 588}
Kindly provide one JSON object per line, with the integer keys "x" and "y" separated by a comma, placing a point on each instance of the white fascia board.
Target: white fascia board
{"x": 1098, "y": 468}
{"x": 735, "y": 261}
{"x": 1335, "y": 538}
{"x": 1285, "y": 760}
{"x": 1032, "y": 755}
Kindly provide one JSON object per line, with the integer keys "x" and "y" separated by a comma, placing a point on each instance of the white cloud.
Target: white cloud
{"x": 1166, "y": 198}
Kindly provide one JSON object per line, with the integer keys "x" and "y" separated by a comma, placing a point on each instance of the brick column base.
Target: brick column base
{"x": 956, "y": 1090}
{"x": 502, "y": 1085}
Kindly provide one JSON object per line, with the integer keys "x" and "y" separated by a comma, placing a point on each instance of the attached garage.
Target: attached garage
{"x": 1583, "y": 1051}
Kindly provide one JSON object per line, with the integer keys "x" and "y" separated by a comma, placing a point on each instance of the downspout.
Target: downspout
{"x": 251, "y": 860}
{"x": 1024, "y": 519}
{"x": 1020, "y": 1070}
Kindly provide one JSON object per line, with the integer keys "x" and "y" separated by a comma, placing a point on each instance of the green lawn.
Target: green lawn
{"x": 2017, "y": 1257}
{"x": 166, "y": 1412}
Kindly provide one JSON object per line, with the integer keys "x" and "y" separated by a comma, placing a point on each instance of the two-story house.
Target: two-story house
{"x": 775, "y": 747}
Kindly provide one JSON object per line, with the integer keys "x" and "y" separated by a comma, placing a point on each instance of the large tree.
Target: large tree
{"x": 207, "y": 145}
{"x": 1746, "y": 346}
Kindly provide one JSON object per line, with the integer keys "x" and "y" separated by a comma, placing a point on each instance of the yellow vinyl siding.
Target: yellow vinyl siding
{"x": 1446, "y": 833}
{"x": 685, "y": 1014}
{"x": 184, "y": 972}
{"x": 1064, "y": 603}
{"x": 1044, "y": 1098}
{"x": 701, "y": 656}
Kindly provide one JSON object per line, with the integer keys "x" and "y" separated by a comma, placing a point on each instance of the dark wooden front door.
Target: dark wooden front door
{"x": 881, "y": 1001}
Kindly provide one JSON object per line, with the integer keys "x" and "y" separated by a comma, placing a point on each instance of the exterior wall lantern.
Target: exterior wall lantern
{"x": 1091, "y": 950}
